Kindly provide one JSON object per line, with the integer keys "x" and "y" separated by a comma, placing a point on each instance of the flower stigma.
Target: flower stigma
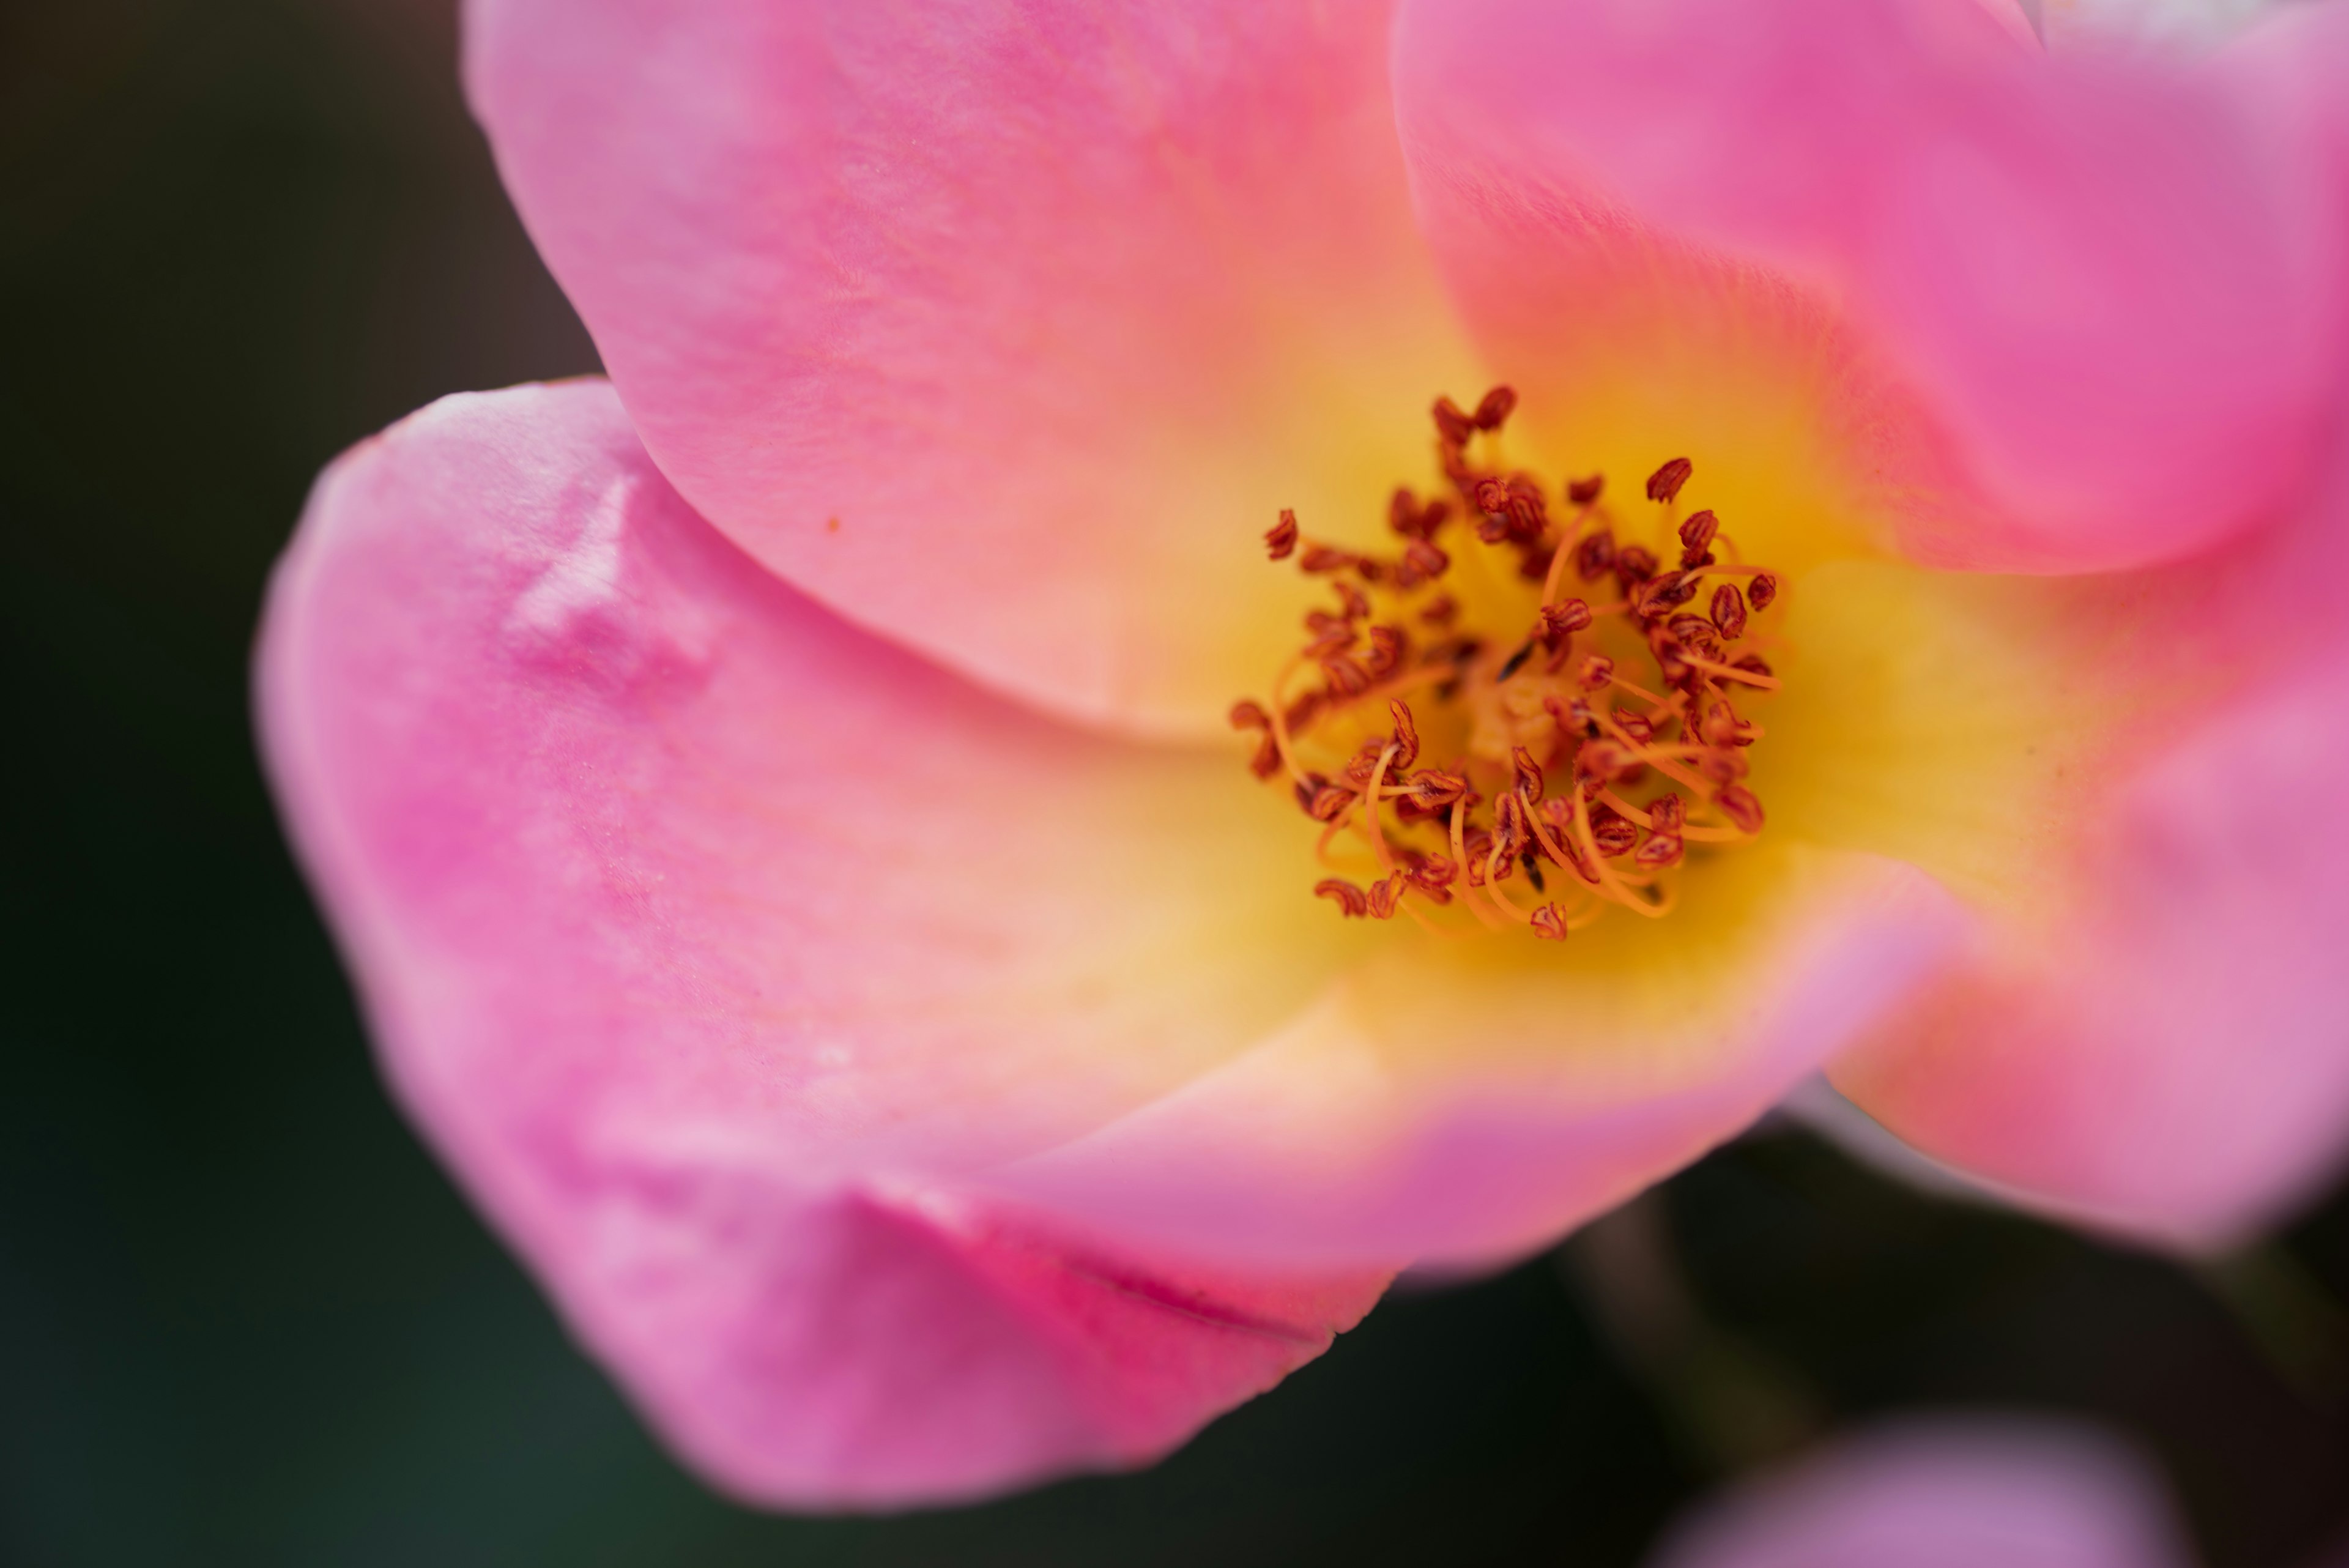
{"x": 1586, "y": 698}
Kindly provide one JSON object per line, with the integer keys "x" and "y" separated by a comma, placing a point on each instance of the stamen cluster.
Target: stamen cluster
{"x": 1631, "y": 700}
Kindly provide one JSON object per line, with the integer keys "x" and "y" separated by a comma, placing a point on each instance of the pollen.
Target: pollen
{"x": 1520, "y": 720}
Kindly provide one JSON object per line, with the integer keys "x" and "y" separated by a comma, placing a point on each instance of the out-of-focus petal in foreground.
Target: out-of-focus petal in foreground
{"x": 1944, "y": 1493}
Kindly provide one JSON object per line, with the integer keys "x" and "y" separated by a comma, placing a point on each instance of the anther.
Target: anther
{"x": 1596, "y": 672}
{"x": 1450, "y": 423}
{"x": 1433, "y": 874}
{"x": 1549, "y": 924}
{"x": 1664, "y": 593}
{"x": 1493, "y": 409}
{"x": 1563, "y": 619}
{"x": 1667, "y": 812}
{"x": 1528, "y": 773}
{"x": 1352, "y": 901}
{"x": 1583, "y": 492}
{"x": 1435, "y": 789}
{"x": 1661, "y": 850}
{"x": 1595, "y": 556}
{"x": 1634, "y": 564}
{"x": 1389, "y": 648}
{"x": 1729, "y": 611}
{"x": 1330, "y": 803}
{"x": 1247, "y": 715}
{"x": 1762, "y": 590}
{"x": 1323, "y": 558}
{"x": 1664, "y": 484}
{"x": 1738, "y": 804}
{"x": 1383, "y": 895}
{"x": 1406, "y": 734}
{"x": 1346, "y": 674}
{"x": 1425, "y": 558}
{"x": 1696, "y": 533}
{"x": 1612, "y": 831}
{"x": 1693, "y": 631}
{"x": 1281, "y": 537}
{"x": 1597, "y": 761}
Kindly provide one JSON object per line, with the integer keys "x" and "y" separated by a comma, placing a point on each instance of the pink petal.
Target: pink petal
{"x": 2074, "y": 314}
{"x": 1051, "y": 306}
{"x": 2157, "y": 1043}
{"x": 1946, "y": 1493}
{"x": 709, "y": 938}
{"x": 1457, "y": 1110}
{"x": 2164, "y": 1054}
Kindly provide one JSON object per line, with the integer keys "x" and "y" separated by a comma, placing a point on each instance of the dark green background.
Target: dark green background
{"x": 244, "y": 1319}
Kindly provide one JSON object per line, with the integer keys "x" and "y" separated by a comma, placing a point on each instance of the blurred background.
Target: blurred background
{"x": 245, "y": 1319}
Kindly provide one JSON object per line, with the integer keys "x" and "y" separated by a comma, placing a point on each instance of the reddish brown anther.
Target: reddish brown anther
{"x": 1583, "y": 492}
{"x": 1509, "y": 830}
{"x": 1753, "y": 663}
{"x": 1667, "y": 812}
{"x": 1324, "y": 558}
{"x": 1664, "y": 593}
{"x": 1595, "y": 556}
{"x": 1527, "y": 772}
{"x": 1634, "y": 564}
{"x": 1247, "y": 715}
{"x": 1406, "y": 734}
{"x": 1352, "y": 602}
{"x": 1281, "y": 537}
{"x": 1450, "y": 423}
{"x": 1267, "y": 761}
{"x": 1597, "y": 761}
{"x": 1432, "y": 873}
{"x": 1384, "y": 894}
{"x": 1721, "y": 727}
{"x": 1440, "y": 610}
{"x": 1729, "y": 611}
{"x": 1722, "y": 764}
{"x": 1637, "y": 726}
{"x": 1330, "y": 803}
{"x": 1612, "y": 831}
{"x": 1696, "y": 534}
{"x": 1493, "y": 409}
{"x": 1305, "y": 788}
{"x": 1563, "y": 619}
{"x": 1738, "y": 804}
{"x": 1596, "y": 672}
{"x": 1693, "y": 632}
{"x": 1661, "y": 850}
{"x": 1425, "y": 559}
{"x": 1434, "y": 788}
{"x": 1664, "y": 484}
{"x": 1762, "y": 590}
{"x": 1352, "y": 901}
{"x": 1549, "y": 924}
{"x": 1389, "y": 648}
{"x": 1347, "y": 675}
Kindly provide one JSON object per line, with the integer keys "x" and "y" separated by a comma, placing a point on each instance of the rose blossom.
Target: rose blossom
{"x": 777, "y": 809}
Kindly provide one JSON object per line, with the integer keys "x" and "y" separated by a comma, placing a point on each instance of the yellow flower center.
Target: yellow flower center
{"x": 1521, "y": 643}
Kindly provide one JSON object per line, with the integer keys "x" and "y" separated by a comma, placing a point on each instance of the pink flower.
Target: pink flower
{"x": 838, "y": 942}
{"x": 1944, "y": 1493}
